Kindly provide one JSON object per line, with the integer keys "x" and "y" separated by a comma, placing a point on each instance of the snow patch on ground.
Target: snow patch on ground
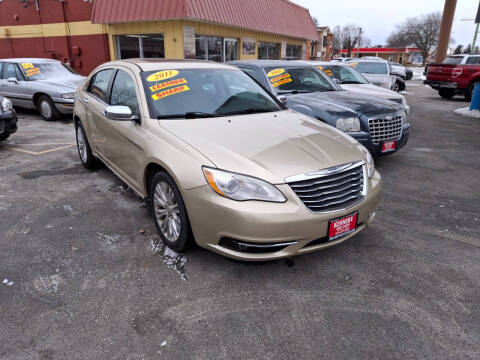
{"x": 467, "y": 112}
{"x": 48, "y": 284}
{"x": 406, "y": 93}
{"x": 172, "y": 259}
{"x": 417, "y": 73}
{"x": 8, "y": 283}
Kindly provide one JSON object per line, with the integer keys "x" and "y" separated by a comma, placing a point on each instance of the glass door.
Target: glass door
{"x": 230, "y": 49}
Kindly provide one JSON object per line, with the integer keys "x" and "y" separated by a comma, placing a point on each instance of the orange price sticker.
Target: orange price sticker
{"x": 281, "y": 82}
{"x": 279, "y": 77}
{"x": 168, "y": 92}
{"x": 167, "y": 84}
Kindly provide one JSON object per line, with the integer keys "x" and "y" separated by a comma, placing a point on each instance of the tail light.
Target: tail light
{"x": 456, "y": 72}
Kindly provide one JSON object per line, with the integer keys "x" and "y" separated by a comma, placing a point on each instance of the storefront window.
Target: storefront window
{"x": 215, "y": 48}
{"x": 293, "y": 52}
{"x": 146, "y": 46}
{"x": 268, "y": 51}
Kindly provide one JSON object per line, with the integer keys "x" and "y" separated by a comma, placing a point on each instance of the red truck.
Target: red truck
{"x": 456, "y": 75}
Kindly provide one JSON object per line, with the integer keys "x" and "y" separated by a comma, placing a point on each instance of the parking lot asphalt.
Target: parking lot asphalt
{"x": 83, "y": 276}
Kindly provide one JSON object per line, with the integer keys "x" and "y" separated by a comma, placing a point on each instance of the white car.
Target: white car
{"x": 350, "y": 79}
{"x": 377, "y": 72}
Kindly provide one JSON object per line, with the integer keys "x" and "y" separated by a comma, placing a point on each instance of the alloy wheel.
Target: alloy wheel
{"x": 82, "y": 145}
{"x": 46, "y": 109}
{"x": 167, "y": 212}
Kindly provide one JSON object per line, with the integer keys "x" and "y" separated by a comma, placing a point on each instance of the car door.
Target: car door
{"x": 95, "y": 99}
{"x": 14, "y": 86}
{"x": 124, "y": 140}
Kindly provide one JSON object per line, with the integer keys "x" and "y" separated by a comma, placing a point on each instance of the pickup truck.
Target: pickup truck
{"x": 456, "y": 75}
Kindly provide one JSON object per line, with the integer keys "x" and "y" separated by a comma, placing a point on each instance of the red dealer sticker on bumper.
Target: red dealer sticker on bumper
{"x": 343, "y": 226}
{"x": 388, "y": 146}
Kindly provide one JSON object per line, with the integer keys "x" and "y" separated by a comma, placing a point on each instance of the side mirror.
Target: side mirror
{"x": 119, "y": 113}
{"x": 12, "y": 80}
{"x": 283, "y": 99}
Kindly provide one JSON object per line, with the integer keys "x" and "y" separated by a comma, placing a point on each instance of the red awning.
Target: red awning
{"x": 271, "y": 16}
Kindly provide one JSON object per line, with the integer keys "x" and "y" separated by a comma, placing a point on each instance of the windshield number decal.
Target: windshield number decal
{"x": 172, "y": 91}
{"x": 168, "y": 84}
{"x": 328, "y": 72}
{"x": 279, "y": 77}
{"x": 162, "y": 75}
{"x": 27, "y": 66}
{"x": 281, "y": 82}
{"x": 275, "y": 72}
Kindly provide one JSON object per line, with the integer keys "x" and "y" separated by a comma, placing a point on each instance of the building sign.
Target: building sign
{"x": 248, "y": 46}
{"x": 283, "y": 53}
{"x": 189, "y": 42}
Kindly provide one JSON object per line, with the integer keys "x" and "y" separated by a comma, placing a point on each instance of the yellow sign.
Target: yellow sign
{"x": 169, "y": 92}
{"x": 162, "y": 75}
{"x": 279, "y": 77}
{"x": 281, "y": 82}
{"x": 354, "y": 65}
{"x": 328, "y": 72}
{"x": 31, "y": 72}
{"x": 275, "y": 72}
{"x": 27, "y": 65}
{"x": 167, "y": 84}
{"x": 319, "y": 67}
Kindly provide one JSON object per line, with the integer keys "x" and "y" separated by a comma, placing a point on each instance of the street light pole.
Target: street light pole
{"x": 472, "y": 50}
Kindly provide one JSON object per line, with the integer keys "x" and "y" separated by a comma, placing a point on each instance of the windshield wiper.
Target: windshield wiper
{"x": 351, "y": 82}
{"x": 248, "y": 111}
{"x": 297, "y": 91}
{"x": 188, "y": 115}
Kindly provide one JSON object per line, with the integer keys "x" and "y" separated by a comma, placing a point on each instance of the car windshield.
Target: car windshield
{"x": 298, "y": 79}
{"x": 47, "y": 70}
{"x": 455, "y": 60}
{"x": 344, "y": 74}
{"x": 370, "y": 67}
{"x": 196, "y": 93}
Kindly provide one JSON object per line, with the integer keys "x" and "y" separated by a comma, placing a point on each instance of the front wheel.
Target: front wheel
{"x": 169, "y": 212}
{"x": 446, "y": 93}
{"x": 47, "y": 108}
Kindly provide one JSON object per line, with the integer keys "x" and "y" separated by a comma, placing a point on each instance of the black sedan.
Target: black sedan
{"x": 8, "y": 118}
{"x": 380, "y": 125}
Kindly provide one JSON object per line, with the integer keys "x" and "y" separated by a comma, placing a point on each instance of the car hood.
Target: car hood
{"x": 372, "y": 90}
{"x": 270, "y": 146}
{"x": 331, "y": 105}
{"x": 70, "y": 83}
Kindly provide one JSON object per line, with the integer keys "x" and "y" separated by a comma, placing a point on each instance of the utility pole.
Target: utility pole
{"x": 477, "y": 21}
{"x": 445, "y": 29}
{"x": 358, "y": 43}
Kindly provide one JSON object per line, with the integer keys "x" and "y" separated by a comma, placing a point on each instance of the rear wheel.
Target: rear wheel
{"x": 84, "y": 151}
{"x": 169, "y": 212}
{"x": 47, "y": 108}
{"x": 446, "y": 93}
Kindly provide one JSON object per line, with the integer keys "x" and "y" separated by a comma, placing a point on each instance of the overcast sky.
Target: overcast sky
{"x": 378, "y": 17}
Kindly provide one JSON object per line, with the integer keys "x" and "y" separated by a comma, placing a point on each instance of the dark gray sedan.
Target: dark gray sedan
{"x": 43, "y": 84}
{"x": 380, "y": 125}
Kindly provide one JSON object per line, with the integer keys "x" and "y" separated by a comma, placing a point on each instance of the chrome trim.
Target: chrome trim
{"x": 265, "y": 246}
{"x": 387, "y": 117}
{"x": 323, "y": 172}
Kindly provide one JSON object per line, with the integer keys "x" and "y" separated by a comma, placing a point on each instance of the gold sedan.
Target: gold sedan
{"x": 221, "y": 161}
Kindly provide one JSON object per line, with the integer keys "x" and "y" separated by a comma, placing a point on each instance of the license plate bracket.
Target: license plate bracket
{"x": 342, "y": 226}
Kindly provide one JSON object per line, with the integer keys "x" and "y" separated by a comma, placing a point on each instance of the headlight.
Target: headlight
{"x": 241, "y": 187}
{"x": 405, "y": 118}
{"x": 69, "y": 95}
{"x": 6, "y": 104}
{"x": 368, "y": 160}
{"x": 348, "y": 124}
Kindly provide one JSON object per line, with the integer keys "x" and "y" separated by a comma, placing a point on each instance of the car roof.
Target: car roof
{"x": 151, "y": 64}
{"x": 369, "y": 60}
{"x": 270, "y": 63}
{"x": 328, "y": 63}
{"x": 30, "y": 60}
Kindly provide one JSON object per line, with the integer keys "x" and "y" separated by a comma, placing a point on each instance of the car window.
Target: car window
{"x": 473, "y": 60}
{"x": 302, "y": 79}
{"x": 11, "y": 71}
{"x": 123, "y": 92}
{"x": 344, "y": 74}
{"x": 370, "y": 67}
{"x": 45, "y": 70}
{"x": 204, "y": 92}
{"x": 252, "y": 72}
{"x": 1, "y": 66}
{"x": 455, "y": 60}
{"x": 99, "y": 84}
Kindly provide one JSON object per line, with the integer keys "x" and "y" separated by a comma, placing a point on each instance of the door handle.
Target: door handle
{"x": 85, "y": 100}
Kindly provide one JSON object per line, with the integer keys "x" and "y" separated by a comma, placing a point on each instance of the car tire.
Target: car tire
{"x": 4, "y": 137}
{"x": 83, "y": 147}
{"x": 169, "y": 212}
{"x": 47, "y": 109}
{"x": 446, "y": 93}
{"x": 400, "y": 86}
{"x": 469, "y": 92}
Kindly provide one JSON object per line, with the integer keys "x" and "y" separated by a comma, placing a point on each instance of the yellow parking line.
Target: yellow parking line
{"x": 39, "y": 152}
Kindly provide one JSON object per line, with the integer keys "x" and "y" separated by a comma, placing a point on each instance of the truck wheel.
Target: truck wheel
{"x": 446, "y": 93}
{"x": 469, "y": 92}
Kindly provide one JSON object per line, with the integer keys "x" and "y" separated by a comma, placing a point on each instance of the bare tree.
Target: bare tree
{"x": 458, "y": 50}
{"x": 421, "y": 31}
{"x": 337, "y": 40}
{"x": 315, "y": 20}
{"x": 346, "y": 37}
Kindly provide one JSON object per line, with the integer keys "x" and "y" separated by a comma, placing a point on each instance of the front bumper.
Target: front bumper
{"x": 214, "y": 218}
{"x": 376, "y": 149}
{"x": 64, "y": 106}
{"x": 437, "y": 85}
{"x": 8, "y": 123}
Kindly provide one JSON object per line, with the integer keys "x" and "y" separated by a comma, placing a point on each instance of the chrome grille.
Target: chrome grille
{"x": 385, "y": 128}
{"x": 330, "y": 189}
